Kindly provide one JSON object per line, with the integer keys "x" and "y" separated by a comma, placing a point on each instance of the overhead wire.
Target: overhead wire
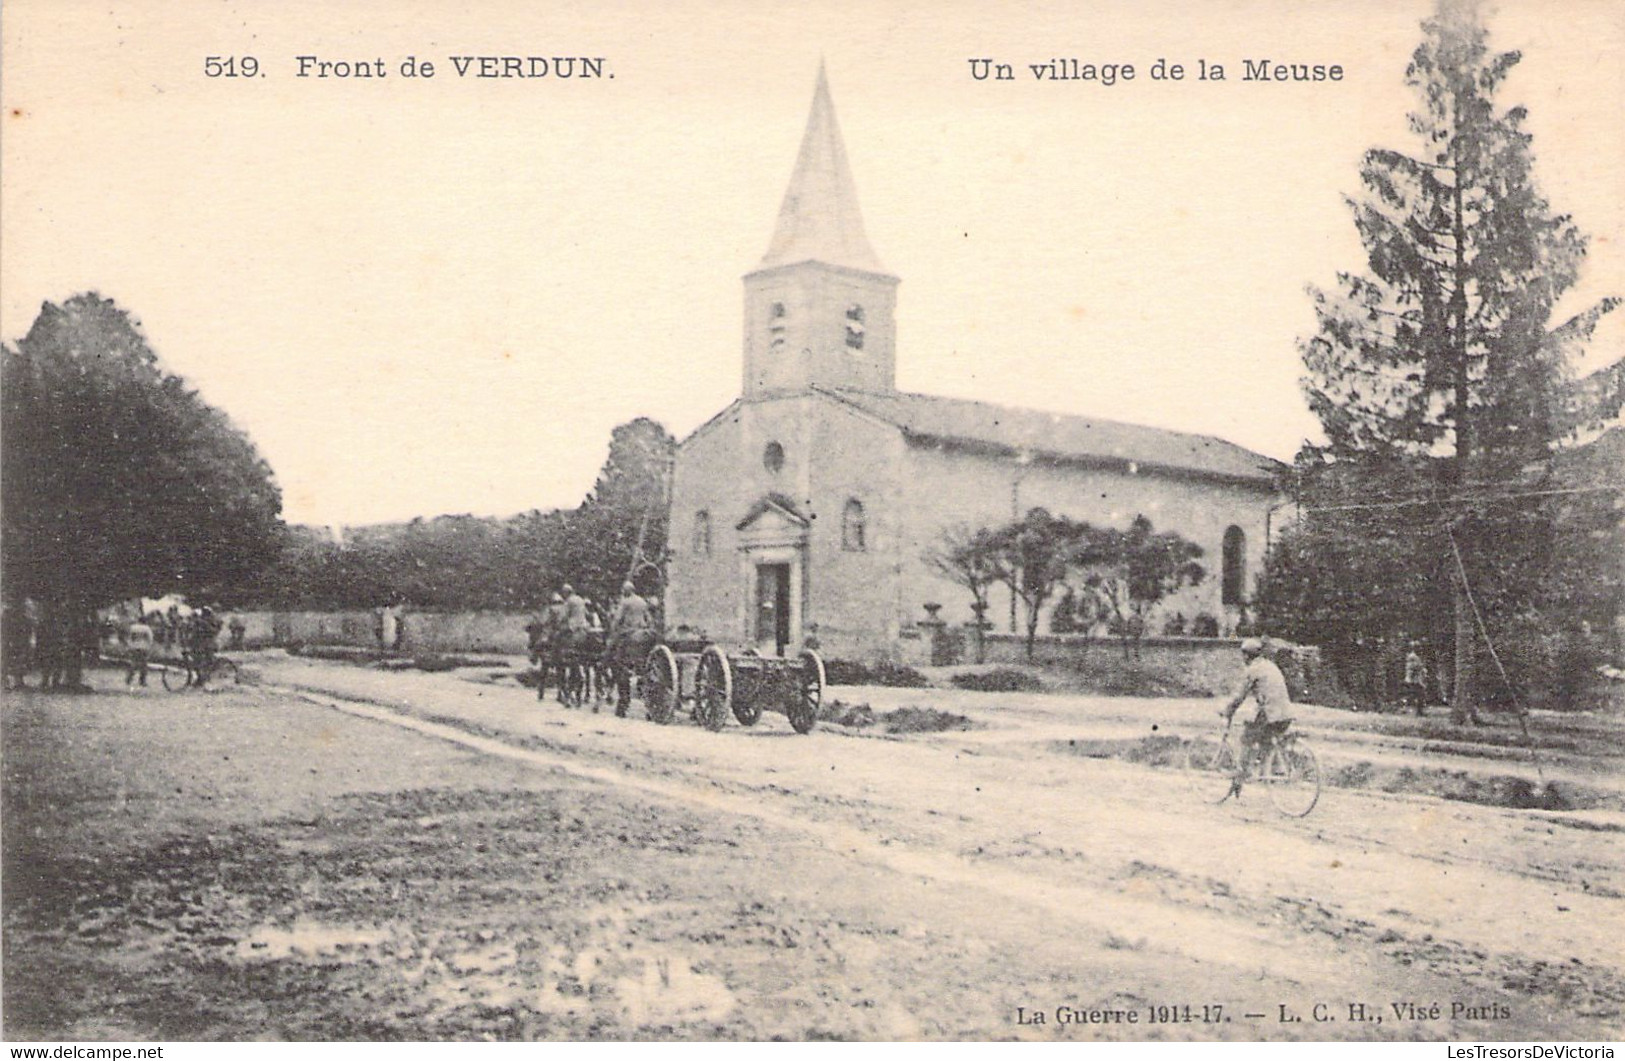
{"x": 1473, "y": 498}
{"x": 1489, "y": 642}
{"x": 1461, "y": 572}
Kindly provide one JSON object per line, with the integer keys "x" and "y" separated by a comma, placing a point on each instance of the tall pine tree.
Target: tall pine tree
{"x": 1441, "y": 363}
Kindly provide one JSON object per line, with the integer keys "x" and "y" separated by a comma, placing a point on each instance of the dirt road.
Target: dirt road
{"x": 411, "y": 855}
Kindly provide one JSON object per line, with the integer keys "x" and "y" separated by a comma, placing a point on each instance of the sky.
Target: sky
{"x": 423, "y": 296}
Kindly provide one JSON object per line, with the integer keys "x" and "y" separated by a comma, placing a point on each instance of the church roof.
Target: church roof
{"x": 925, "y": 418}
{"x": 819, "y": 219}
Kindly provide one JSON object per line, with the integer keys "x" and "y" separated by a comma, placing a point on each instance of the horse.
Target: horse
{"x": 578, "y": 657}
{"x": 623, "y": 660}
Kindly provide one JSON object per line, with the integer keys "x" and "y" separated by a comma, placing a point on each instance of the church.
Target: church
{"x": 808, "y": 506}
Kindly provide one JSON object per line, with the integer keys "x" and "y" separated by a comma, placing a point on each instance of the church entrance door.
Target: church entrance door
{"x": 772, "y": 607}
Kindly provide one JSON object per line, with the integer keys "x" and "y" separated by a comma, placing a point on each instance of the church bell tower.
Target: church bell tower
{"x": 820, "y": 308}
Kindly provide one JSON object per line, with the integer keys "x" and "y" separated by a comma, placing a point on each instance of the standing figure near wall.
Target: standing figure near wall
{"x": 17, "y": 644}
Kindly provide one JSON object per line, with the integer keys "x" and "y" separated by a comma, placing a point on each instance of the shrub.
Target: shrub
{"x": 434, "y": 663}
{"x": 1122, "y": 678}
{"x": 923, "y": 720}
{"x": 855, "y": 672}
{"x": 1204, "y": 625}
{"x": 339, "y": 653}
{"x": 1002, "y": 680}
{"x": 843, "y": 714}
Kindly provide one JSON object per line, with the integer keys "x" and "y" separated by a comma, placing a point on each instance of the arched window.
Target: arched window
{"x": 773, "y": 457}
{"x": 1233, "y": 589}
{"x": 853, "y": 531}
{"x": 854, "y": 326}
{"x": 702, "y": 533}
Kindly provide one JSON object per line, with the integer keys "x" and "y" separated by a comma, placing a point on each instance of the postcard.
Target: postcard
{"x": 829, "y": 521}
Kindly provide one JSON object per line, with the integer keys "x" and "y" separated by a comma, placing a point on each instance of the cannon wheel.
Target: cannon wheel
{"x": 806, "y": 693}
{"x": 747, "y": 701}
{"x": 660, "y": 685}
{"x": 713, "y": 689}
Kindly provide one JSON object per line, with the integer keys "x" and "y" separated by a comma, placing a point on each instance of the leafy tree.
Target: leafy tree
{"x": 1072, "y": 614}
{"x": 1130, "y": 572}
{"x": 1031, "y": 556}
{"x": 967, "y": 558}
{"x": 619, "y": 532}
{"x": 465, "y": 562}
{"x": 1442, "y": 359}
{"x": 1355, "y": 580}
{"x": 118, "y": 479}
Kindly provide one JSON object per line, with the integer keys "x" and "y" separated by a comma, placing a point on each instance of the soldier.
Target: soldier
{"x": 631, "y": 634}
{"x": 19, "y": 645}
{"x": 569, "y": 642}
{"x": 201, "y": 636}
{"x": 595, "y": 657}
{"x": 138, "y": 638}
{"x": 55, "y": 641}
{"x": 1416, "y": 676}
{"x": 544, "y": 636}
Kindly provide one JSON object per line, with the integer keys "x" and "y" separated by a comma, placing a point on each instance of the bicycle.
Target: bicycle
{"x": 1287, "y": 768}
{"x": 193, "y": 673}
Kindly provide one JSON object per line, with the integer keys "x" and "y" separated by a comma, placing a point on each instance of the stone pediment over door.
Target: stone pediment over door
{"x": 772, "y": 570}
{"x": 772, "y": 522}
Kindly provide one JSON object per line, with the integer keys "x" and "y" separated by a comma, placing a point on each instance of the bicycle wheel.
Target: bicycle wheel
{"x": 175, "y": 676}
{"x": 1292, "y": 775}
{"x": 221, "y": 672}
{"x": 1217, "y": 763}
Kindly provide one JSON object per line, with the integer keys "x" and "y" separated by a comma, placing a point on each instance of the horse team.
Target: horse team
{"x": 586, "y": 658}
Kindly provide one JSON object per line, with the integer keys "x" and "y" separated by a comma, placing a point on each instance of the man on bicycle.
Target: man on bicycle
{"x": 1262, "y": 680}
{"x": 201, "y": 637}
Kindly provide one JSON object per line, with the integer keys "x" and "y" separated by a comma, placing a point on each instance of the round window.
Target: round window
{"x": 773, "y": 457}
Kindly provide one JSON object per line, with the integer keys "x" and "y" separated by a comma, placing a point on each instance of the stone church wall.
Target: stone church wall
{"x": 853, "y": 593}
{"x": 949, "y": 487}
{"x": 701, "y": 585}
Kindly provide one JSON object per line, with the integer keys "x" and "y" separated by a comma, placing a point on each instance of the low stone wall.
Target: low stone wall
{"x": 499, "y": 632}
{"x": 1211, "y": 663}
{"x": 420, "y": 632}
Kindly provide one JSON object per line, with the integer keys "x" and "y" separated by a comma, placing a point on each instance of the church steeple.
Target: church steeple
{"x": 820, "y": 307}
{"x": 819, "y": 220}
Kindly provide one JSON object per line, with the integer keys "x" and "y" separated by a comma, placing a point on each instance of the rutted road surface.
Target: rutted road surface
{"x": 753, "y": 883}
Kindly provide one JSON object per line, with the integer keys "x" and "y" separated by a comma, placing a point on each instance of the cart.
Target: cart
{"x": 745, "y": 683}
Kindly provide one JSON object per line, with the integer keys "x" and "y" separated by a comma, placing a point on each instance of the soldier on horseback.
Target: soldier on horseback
{"x": 544, "y": 630}
{"x": 573, "y": 646}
